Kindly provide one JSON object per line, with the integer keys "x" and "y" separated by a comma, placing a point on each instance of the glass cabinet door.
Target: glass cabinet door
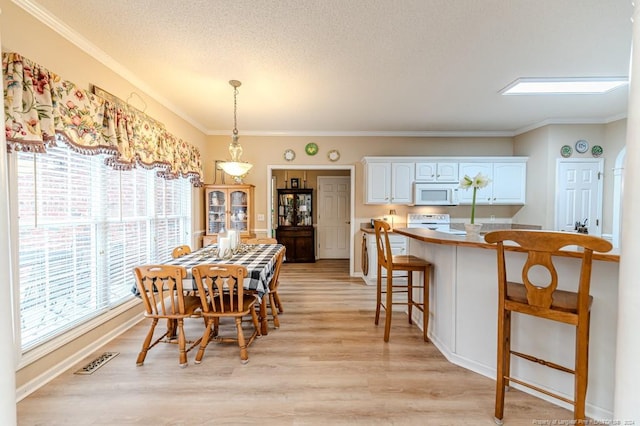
{"x": 286, "y": 210}
{"x": 294, "y": 207}
{"x": 239, "y": 214}
{"x": 303, "y": 209}
{"x": 217, "y": 211}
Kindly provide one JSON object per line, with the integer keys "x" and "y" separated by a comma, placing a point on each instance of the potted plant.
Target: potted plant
{"x": 479, "y": 181}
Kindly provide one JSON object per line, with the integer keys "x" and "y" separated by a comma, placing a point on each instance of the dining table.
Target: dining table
{"x": 259, "y": 259}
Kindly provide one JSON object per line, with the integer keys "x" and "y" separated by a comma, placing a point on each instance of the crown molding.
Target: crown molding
{"x": 404, "y": 134}
{"x": 551, "y": 121}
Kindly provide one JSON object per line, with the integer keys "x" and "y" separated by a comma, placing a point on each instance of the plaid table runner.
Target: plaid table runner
{"x": 260, "y": 261}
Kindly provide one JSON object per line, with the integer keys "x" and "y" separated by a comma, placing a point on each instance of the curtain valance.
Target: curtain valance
{"x": 41, "y": 108}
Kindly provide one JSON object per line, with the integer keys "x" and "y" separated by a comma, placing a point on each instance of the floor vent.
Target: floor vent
{"x": 97, "y": 363}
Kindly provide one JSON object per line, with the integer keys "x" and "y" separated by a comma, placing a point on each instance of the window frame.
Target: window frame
{"x": 101, "y": 315}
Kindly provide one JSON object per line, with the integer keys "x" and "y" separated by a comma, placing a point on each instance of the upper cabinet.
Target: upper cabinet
{"x": 507, "y": 182}
{"x": 402, "y": 178}
{"x": 446, "y": 171}
{"x": 389, "y": 182}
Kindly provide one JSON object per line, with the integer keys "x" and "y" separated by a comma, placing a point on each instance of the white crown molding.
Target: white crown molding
{"x": 47, "y": 18}
{"x": 405, "y": 134}
{"x": 569, "y": 121}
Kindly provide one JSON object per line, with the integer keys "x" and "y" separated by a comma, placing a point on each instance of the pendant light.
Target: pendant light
{"x": 235, "y": 167}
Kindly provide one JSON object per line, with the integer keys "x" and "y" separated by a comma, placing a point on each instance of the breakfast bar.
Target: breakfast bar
{"x": 463, "y": 321}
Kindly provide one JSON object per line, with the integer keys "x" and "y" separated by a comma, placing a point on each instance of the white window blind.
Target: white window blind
{"x": 83, "y": 227}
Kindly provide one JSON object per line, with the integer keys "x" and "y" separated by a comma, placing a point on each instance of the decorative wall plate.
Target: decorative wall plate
{"x": 289, "y": 155}
{"x": 566, "y": 151}
{"x": 582, "y": 146}
{"x": 333, "y": 155}
{"x": 311, "y": 149}
{"x": 596, "y": 151}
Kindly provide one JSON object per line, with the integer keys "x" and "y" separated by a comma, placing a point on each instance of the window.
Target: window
{"x": 82, "y": 228}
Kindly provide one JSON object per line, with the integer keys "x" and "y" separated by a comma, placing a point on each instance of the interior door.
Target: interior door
{"x": 579, "y": 194}
{"x": 334, "y": 201}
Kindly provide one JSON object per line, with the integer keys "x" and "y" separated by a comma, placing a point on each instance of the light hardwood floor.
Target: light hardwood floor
{"x": 327, "y": 364}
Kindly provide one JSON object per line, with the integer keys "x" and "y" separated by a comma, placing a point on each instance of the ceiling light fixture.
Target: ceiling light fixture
{"x": 236, "y": 168}
{"x": 564, "y": 86}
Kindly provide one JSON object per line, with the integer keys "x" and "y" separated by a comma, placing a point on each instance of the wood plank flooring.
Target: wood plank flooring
{"x": 326, "y": 364}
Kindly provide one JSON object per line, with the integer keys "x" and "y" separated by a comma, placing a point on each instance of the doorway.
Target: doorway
{"x": 346, "y": 171}
{"x": 579, "y": 195}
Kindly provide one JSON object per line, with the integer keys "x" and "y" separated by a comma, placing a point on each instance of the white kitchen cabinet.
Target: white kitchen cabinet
{"x": 399, "y": 246}
{"x": 402, "y": 177}
{"x": 378, "y": 183}
{"x": 437, "y": 172}
{"x": 389, "y": 182}
{"x": 507, "y": 182}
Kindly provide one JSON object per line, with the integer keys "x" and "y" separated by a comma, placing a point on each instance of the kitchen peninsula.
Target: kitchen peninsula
{"x": 463, "y": 323}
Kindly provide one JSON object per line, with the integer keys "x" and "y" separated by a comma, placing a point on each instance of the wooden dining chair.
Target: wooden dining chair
{"x": 275, "y": 304}
{"x": 391, "y": 263}
{"x": 535, "y": 293}
{"x": 180, "y": 251}
{"x": 161, "y": 290}
{"x": 262, "y": 240}
{"x": 222, "y": 295}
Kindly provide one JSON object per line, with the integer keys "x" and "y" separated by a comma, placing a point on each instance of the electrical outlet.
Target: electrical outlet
{"x": 260, "y": 217}
{"x": 492, "y": 218}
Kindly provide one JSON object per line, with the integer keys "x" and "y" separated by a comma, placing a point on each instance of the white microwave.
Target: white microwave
{"x": 435, "y": 194}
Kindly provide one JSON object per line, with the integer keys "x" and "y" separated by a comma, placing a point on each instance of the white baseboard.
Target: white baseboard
{"x": 44, "y": 378}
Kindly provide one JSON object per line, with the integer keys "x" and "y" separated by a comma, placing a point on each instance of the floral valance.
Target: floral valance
{"x": 41, "y": 108}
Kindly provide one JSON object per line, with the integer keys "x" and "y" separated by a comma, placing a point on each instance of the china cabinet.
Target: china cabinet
{"x": 295, "y": 224}
{"x": 228, "y": 207}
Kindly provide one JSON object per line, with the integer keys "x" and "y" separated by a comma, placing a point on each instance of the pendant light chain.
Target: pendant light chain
{"x": 235, "y": 110}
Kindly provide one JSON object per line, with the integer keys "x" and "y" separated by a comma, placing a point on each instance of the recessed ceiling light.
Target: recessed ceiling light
{"x": 555, "y": 86}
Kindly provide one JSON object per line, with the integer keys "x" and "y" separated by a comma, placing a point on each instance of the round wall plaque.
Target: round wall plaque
{"x": 289, "y": 155}
{"x": 582, "y": 146}
{"x": 311, "y": 149}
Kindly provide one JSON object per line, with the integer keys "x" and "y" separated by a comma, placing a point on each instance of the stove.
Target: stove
{"x": 434, "y": 222}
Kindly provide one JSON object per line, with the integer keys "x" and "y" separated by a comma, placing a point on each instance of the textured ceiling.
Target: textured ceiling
{"x": 341, "y": 66}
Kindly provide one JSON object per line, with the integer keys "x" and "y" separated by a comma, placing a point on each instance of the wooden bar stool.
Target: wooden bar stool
{"x": 544, "y": 300}
{"x": 406, "y": 263}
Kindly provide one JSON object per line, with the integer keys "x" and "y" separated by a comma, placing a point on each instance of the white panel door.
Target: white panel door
{"x": 334, "y": 201}
{"x": 579, "y": 194}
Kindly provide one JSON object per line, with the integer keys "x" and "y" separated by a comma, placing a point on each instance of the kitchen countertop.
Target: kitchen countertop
{"x": 369, "y": 229}
{"x": 436, "y": 237}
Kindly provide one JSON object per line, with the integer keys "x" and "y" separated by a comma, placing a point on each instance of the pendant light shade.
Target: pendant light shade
{"x": 236, "y": 167}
